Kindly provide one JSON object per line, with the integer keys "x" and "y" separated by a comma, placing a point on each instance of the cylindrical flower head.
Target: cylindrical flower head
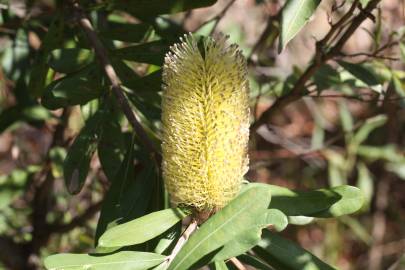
{"x": 205, "y": 115}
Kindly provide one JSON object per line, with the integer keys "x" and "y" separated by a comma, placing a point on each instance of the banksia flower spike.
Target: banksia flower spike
{"x": 205, "y": 115}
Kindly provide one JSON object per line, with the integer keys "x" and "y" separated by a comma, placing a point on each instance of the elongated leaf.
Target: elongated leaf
{"x": 150, "y": 83}
{"x": 239, "y": 214}
{"x": 220, "y": 265}
{"x": 130, "y": 194}
{"x": 370, "y": 125}
{"x": 141, "y": 229}
{"x": 361, "y": 72}
{"x": 111, "y": 146}
{"x": 352, "y": 199}
{"x": 295, "y": 14}
{"x": 150, "y": 53}
{"x": 125, "y": 260}
{"x": 73, "y": 90}
{"x": 145, "y": 9}
{"x": 255, "y": 262}
{"x": 333, "y": 202}
{"x": 53, "y": 38}
{"x": 77, "y": 163}
{"x": 326, "y": 77}
{"x": 298, "y": 203}
{"x": 284, "y": 254}
{"x": 239, "y": 245}
{"x": 127, "y": 32}
{"x": 365, "y": 183}
{"x": 68, "y": 60}
{"x": 251, "y": 236}
{"x": 168, "y": 239}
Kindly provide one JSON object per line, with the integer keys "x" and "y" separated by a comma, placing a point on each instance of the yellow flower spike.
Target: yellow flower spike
{"x": 205, "y": 116}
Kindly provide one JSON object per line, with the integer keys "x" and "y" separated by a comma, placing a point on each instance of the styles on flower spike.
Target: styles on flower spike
{"x": 205, "y": 116}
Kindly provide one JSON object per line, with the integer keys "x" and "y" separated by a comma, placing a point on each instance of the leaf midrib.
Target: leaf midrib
{"x": 209, "y": 235}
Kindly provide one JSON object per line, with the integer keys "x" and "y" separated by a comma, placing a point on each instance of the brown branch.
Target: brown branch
{"x": 237, "y": 263}
{"x": 370, "y": 55}
{"x": 217, "y": 17}
{"x": 117, "y": 90}
{"x": 191, "y": 228}
{"x": 320, "y": 58}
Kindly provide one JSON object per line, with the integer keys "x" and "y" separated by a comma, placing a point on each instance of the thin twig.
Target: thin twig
{"x": 371, "y": 55}
{"x": 103, "y": 58}
{"x": 191, "y": 228}
{"x": 321, "y": 57}
{"x": 217, "y": 18}
{"x": 237, "y": 263}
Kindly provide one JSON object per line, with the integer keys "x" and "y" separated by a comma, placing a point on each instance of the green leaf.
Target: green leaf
{"x": 239, "y": 214}
{"x": 351, "y": 200}
{"x": 141, "y": 229}
{"x": 284, "y": 254}
{"x": 74, "y": 89}
{"x": 111, "y": 146}
{"x": 70, "y": 59}
{"x": 398, "y": 86}
{"x": 325, "y": 77}
{"x": 125, "y": 260}
{"x": 77, "y": 163}
{"x": 255, "y": 262}
{"x": 362, "y": 72}
{"x": 39, "y": 72}
{"x": 295, "y": 14}
{"x": 387, "y": 152}
{"x": 333, "y": 202}
{"x": 127, "y": 32}
{"x": 365, "y": 183}
{"x": 370, "y": 125}
{"x": 346, "y": 118}
{"x": 220, "y": 265}
{"x": 299, "y": 203}
{"x": 130, "y": 195}
{"x": 147, "y": 85}
{"x": 146, "y": 9}
{"x": 251, "y": 236}
{"x": 150, "y": 53}
{"x": 168, "y": 239}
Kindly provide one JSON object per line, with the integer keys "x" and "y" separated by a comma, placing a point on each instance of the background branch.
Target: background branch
{"x": 320, "y": 58}
{"x": 117, "y": 90}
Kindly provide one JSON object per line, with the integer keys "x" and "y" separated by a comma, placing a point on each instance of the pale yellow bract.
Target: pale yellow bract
{"x": 205, "y": 115}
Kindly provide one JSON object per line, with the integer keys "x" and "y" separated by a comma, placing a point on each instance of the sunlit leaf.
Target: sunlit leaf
{"x": 295, "y": 14}
{"x": 125, "y": 260}
{"x": 239, "y": 214}
{"x": 141, "y": 229}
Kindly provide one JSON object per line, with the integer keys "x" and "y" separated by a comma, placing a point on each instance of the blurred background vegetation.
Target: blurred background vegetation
{"x": 327, "y": 110}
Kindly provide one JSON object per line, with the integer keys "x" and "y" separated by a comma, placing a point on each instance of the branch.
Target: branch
{"x": 237, "y": 263}
{"x": 217, "y": 17}
{"x": 182, "y": 240}
{"x": 103, "y": 58}
{"x": 320, "y": 58}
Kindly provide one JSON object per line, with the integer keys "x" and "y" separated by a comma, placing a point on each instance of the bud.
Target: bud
{"x": 205, "y": 116}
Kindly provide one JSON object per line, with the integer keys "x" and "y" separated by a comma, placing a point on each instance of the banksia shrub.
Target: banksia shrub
{"x": 205, "y": 116}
